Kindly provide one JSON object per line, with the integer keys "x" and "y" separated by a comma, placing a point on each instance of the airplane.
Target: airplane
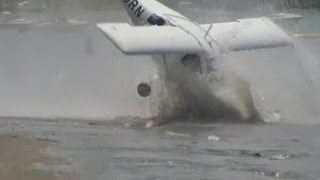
{"x": 159, "y": 30}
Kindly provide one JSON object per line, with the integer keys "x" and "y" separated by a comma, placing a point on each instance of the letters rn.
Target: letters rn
{"x": 134, "y": 6}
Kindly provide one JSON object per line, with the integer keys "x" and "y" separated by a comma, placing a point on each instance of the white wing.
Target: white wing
{"x": 244, "y": 34}
{"x": 149, "y": 39}
{"x": 247, "y": 34}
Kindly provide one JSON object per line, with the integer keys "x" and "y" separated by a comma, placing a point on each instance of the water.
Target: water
{"x": 125, "y": 149}
{"x": 68, "y": 73}
{"x": 56, "y": 73}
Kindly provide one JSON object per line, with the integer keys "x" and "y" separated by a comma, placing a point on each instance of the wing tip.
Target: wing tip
{"x": 106, "y": 29}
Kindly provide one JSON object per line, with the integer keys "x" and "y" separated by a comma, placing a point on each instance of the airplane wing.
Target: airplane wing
{"x": 149, "y": 39}
{"x": 247, "y": 34}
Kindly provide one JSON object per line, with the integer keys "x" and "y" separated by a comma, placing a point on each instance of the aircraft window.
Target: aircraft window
{"x": 156, "y": 20}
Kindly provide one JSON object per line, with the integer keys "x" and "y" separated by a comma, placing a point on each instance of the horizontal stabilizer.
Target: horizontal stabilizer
{"x": 149, "y": 39}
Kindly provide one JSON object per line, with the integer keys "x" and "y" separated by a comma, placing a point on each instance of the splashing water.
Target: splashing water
{"x": 218, "y": 96}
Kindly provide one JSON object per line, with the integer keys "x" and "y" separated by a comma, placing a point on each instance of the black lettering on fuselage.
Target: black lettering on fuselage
{"x": 134, "y": 7}
{"x": 133, "y": 4}
{"x": 139, "y": 11}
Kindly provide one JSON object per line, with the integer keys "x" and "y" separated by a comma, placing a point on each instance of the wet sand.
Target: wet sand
{"x": 20, "y": 157}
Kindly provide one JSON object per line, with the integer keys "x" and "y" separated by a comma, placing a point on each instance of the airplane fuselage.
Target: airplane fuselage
{"x": 134, "y": 7}
{"x": 141, "y": 15}
{"x": 167, "y": 32}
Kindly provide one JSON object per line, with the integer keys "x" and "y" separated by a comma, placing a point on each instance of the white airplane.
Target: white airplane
{"x": 159, "y": 30}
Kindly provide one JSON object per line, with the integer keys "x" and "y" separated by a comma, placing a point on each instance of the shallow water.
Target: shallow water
{"x": 125, "y": 149}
